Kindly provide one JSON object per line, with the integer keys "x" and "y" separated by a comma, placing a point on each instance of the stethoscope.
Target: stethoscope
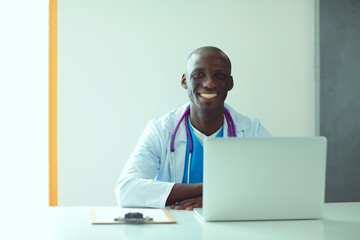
{"x": 231, "y": 133}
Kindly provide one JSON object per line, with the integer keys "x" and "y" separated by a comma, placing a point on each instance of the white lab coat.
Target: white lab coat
{"x": 147, "y": 177}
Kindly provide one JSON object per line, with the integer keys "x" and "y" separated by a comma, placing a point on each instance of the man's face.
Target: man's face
{"x": 207, "y": 79}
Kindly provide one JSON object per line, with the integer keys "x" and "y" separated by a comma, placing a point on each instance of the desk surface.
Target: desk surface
{"x": 341, "y": 221}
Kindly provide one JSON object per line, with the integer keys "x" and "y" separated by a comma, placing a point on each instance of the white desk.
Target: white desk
{"x": 341, "y": 221}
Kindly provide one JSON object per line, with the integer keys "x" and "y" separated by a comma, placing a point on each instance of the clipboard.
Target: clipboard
{"x": 107, "y": 215}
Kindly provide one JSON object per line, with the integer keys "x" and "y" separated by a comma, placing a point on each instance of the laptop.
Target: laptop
{"x": 263, "y": 179}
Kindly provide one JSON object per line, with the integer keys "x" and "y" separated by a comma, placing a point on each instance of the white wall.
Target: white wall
{"x": 23, "y": 118}
{"x": 120, "y": 64}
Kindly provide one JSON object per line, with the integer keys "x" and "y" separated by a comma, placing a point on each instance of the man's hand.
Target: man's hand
{"x": 188, "y": 204}
{"x": 184, "y": 196}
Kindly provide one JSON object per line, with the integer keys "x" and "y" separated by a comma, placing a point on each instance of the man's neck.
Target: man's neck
{"x": 207, "y": 122}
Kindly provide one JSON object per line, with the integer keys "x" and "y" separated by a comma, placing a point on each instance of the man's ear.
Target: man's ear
{"x": 231, "y": 83}
{"x": 183, "y": 81}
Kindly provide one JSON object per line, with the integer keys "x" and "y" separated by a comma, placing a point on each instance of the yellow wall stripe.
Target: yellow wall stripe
{"x": 53, "y": 170}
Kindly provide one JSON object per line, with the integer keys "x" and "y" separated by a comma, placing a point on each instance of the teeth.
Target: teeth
{"x": 208, "y": 95}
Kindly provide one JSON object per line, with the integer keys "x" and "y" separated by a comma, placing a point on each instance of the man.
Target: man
{"x": 165, "y": 167}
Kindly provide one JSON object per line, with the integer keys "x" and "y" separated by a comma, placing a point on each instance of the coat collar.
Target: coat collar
{"x": 175, "y": 115}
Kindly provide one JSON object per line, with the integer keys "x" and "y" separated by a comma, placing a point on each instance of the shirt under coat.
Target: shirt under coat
{"x": 150, "y": 172}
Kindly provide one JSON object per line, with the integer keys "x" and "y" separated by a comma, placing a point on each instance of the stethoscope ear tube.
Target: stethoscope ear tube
{"x": 172, "y": 143}
{"x": 231, "y": 124}
{"x": 188, "y": 133}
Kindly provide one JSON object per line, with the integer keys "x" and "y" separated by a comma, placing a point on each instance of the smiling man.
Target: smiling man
{"x": 166, "y": 166}
{"x": 207, "y": 79}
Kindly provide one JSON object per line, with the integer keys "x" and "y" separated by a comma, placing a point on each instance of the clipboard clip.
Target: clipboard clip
{"x": 134, "y": 218}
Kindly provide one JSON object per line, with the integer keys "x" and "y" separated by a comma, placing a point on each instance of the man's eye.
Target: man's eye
{"x": 198, "y": 75}
{"x": 221, "y": 75}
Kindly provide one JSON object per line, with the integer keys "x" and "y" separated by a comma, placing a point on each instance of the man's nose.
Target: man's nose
{"x": 209, "y": 82}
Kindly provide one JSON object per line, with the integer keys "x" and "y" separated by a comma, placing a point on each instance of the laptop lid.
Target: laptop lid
{"x": 263, "y": 178}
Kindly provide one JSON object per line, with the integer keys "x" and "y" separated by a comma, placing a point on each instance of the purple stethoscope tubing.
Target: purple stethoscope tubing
{"x": 231, "y": 124}
{"x": 229, "y": 120}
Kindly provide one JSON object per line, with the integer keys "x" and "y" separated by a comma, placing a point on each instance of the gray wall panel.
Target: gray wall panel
{"x": 340, "y": 96}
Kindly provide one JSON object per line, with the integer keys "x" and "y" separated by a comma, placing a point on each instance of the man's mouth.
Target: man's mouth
{"x": 208, "y": 95}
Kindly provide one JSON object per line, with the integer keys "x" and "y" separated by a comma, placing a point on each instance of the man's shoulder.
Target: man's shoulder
{"x": 239, "y": 117}
{"x": 244, "y": 123}
{"x": 169, "y": 120}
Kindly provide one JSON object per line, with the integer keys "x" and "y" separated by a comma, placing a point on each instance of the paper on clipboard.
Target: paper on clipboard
{"x": 107, "y": 215}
